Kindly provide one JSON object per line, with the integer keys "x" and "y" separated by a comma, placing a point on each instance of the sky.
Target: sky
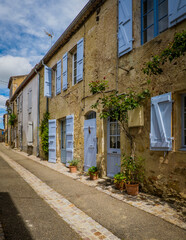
{"x": 23, "y": 41}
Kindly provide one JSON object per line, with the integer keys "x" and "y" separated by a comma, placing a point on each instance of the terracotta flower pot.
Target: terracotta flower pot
{"x": 73, "y": 169}
{"x": 120, "y": 185}
{"x": 93, "y": 176}
{"x": 132, "y": 189}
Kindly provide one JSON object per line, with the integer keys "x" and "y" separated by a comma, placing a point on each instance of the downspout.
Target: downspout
{"x": 47, "y": 97}
{"x": 117, "y": 56}
{"x": 38, "y": 112}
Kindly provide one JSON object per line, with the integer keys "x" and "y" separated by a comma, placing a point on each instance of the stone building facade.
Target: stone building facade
{"x": 113, "y": 40}
{"x": 102, "y": 27}
{"x": 13, "y": 84}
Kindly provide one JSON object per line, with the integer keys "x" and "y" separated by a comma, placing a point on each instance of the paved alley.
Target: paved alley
{"x": 40, "y": 203}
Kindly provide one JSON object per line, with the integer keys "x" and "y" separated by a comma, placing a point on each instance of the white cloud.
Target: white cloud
{"x": 13, "y": 66}
{"x": 24, "y": 42}
{"x": 3, "y": 101}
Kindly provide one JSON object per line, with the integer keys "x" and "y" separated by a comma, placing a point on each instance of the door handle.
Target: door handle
{"x": 114, "y": 152}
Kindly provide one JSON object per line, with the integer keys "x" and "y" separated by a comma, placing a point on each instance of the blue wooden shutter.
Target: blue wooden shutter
{"x": 47, "y": 82}
{"x": 58, "y": 77}
{"x": 125, "y": 27}
{"x": 65, "y": 71}
{"x": 161, "y": 112}
{"x": 80, "y": 50}
{"x": 177, "y": 11}
{"x": 69, "y": 137}
{"x": 52, "y": 140}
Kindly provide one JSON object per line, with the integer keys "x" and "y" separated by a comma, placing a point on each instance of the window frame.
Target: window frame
{"x": 75, "y": 52}
{"x": 183, "y": 128}
{"x": 156, "y": 19}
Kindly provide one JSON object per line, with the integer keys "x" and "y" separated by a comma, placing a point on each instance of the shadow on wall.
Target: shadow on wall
{"x": 12, "y": 223}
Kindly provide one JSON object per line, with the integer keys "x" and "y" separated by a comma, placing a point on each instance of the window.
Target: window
{"x": 114, "y": 134}
{"x": 154, "y": 18}
{"x": 74, "y": 68}
{"x": 184, "y": 121}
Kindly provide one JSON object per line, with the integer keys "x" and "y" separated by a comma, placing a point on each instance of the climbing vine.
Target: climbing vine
{"x": 12, "y": 118}
{"x": 44, "y": 133}
{"x": 175, "y": 49}
{"x": 117, "y": 105}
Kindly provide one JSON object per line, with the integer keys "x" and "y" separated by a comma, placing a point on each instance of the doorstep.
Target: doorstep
{"x": 146, "y": 202}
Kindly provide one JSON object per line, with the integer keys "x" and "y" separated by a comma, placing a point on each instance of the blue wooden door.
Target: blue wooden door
{"x": 52, "y": 141}
{"x": 113, "y": 148}
{"x": 63, "y": 141}
{"x": 90, "y": 143}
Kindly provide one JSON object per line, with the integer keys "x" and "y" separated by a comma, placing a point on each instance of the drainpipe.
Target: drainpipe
{"x": 117, "y": 57}
{"x": 47, "y": 97}
{"x": 38, "y": 111}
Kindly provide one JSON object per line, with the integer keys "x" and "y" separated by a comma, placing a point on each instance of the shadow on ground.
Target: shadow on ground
{"x": 12, "y": 223}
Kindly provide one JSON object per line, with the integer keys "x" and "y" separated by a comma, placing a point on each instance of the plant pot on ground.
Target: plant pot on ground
{"x": 119, "y": 181}
{"x": 73, "y": 165}
{"x": 93, "y": 172}
{"x": 133, "y": 170}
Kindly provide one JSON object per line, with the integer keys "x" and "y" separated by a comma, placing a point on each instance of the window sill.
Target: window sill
{"x": 182, "y": 149}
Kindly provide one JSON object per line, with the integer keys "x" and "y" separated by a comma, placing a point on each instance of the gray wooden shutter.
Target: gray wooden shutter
{"x": 177, "y": 11}
{"x": 80, "y": 53}
{"x": 125, "y": 27}
{"x": 58, "y": 77}
{"x": 65, "y": 71}
{"x": 21, "y": 103}
{"x": 161, "y": 115}
{"x": 29, "y": 100}
{"x": 17, "y": 104}
{"x": 69, "y": 137}
{"x": 47, "y": 81}
{"x": 52, "y": 140}
{"x": 30, "y": 134}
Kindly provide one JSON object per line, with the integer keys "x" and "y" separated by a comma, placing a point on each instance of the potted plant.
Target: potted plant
{"x": 73, "y": 165}
{"x": 119, "y": 181}
{"x": 93, "y": 172}
{"x": 133, "y": 170}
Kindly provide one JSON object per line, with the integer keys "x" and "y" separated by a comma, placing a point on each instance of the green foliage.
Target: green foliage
{"x": 119, "y": 177}
{"x": 12, "y": 118}
{"x": 116, "y": 106}
{"x": 174, "y": 50}
{"x": 133, "y": 169}
{"x": 44, "y": 133}
{"x": 92, "y": 170}
{"x": 74, "y": 162}
{"x": 98, "y": 86}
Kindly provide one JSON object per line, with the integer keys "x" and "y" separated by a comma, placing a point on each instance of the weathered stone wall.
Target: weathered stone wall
{"x": 165, "y": 172}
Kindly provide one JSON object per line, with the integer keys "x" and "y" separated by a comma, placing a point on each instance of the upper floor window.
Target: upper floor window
{"x": 184, "y": 121}
{"x": 74, "y": 68}
{"x": 154, "y": 19}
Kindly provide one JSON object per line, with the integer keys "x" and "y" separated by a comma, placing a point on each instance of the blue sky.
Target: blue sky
{"x": 23, "y": 41}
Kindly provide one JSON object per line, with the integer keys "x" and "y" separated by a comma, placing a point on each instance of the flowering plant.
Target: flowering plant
{"x": 97, "y": 86}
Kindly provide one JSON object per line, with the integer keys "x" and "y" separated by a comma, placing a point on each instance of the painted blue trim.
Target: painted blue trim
{"x": 183, "y": 146}
{"x": 141, "y": 22}
{"x": 155, "y": 18}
